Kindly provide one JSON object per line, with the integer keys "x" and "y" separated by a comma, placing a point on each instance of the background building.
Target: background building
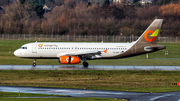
{"x": 122, "y": 1}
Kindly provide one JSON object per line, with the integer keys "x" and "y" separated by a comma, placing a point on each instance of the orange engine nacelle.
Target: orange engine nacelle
{"x": 69, "y": 60}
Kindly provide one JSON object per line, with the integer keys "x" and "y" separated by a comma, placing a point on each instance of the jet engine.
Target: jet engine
{"x": 69, "y": 60}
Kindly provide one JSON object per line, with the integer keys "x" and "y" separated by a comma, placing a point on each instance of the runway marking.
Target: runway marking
{"x": 155, "y": 98}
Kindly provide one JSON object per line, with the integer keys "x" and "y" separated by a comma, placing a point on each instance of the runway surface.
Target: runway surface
{"x": 131, "y": 96}
{"x": 91, "y": 67}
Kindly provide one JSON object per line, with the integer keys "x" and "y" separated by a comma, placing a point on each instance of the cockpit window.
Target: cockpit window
{"x": 23, "y": 47}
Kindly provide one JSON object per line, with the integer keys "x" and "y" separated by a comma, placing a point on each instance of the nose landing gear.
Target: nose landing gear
{"x": 34, "y": 64}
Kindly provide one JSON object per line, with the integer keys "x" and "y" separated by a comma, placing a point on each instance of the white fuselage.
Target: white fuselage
{"x": 53, "y": 50}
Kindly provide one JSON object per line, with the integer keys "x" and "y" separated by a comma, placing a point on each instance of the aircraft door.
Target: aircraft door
{"x": 133, "y": 49}
{"x": 34, "y": 48}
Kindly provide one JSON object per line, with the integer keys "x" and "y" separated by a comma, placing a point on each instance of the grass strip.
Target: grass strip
{"x": 19, "y": 94}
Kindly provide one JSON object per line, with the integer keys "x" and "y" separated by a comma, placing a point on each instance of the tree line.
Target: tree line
{"x": 79, "y": 18}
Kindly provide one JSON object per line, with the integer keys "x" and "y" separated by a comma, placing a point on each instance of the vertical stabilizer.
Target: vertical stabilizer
{"x": 150, "y": 35}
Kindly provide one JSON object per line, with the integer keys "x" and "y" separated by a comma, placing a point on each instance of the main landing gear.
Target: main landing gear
{"x": 34, "y": 64}
{"x": 85, "y": 64}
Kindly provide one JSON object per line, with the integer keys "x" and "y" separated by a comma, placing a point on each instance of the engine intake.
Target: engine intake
{"x": 69, "y": 60}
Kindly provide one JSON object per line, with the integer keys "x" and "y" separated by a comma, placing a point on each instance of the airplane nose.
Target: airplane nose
{"x": 16, "y": 53}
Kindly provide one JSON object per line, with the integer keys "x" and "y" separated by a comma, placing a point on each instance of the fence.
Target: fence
{"x": 85, "y": 38}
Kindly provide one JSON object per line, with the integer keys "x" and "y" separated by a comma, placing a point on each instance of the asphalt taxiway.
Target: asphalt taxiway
{"x": 91, "y": 67}
{"x": 130, "y": 96}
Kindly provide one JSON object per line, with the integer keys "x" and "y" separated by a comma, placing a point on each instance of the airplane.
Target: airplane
{"x": 74, "y": 53}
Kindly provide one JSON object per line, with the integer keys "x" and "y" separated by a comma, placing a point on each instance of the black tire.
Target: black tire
{"x": 85, "y": 64}
{"x": 34, "y": 64}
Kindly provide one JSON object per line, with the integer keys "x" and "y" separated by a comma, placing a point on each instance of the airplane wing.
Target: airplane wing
{"x": 88, "y": 54}
{"x": 85, "y": 53}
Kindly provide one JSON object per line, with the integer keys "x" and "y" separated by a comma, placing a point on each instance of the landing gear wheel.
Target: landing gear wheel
{"x": 85, "y": 64}
{"x": 34, "y": 64}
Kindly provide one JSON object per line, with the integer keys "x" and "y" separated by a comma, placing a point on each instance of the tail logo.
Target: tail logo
{"x": 153, "y": 35}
